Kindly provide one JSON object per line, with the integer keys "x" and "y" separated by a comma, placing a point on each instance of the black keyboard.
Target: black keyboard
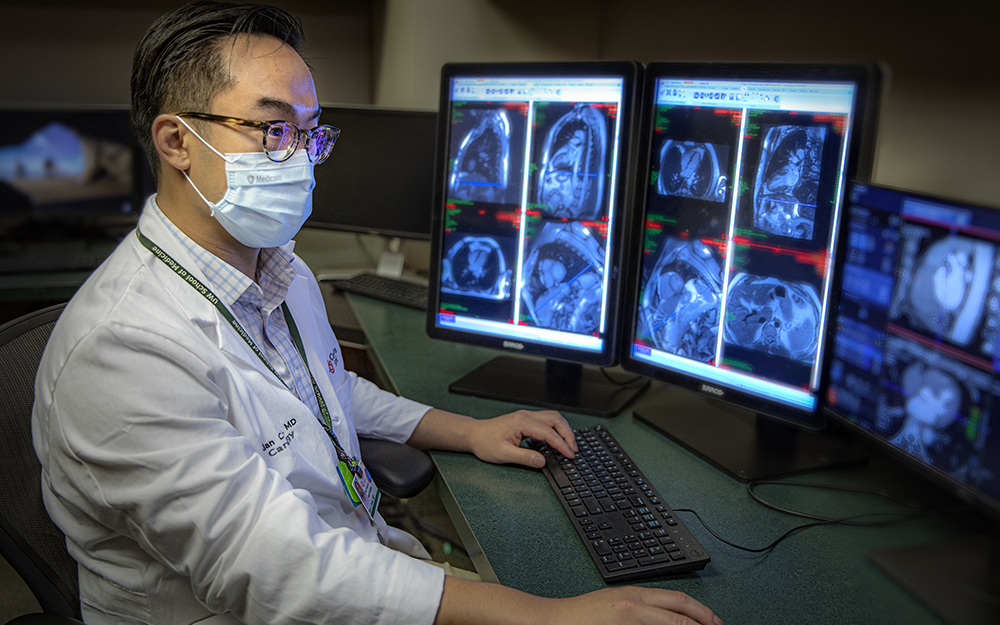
{"x": 385, "y": 288}
{"x": 630, "y": 532}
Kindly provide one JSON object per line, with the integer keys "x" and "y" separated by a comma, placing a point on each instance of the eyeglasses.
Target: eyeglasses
{"x": 281, "y": 138}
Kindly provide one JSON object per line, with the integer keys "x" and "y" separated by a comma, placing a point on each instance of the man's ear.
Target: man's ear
{"x": 168, "y": 136}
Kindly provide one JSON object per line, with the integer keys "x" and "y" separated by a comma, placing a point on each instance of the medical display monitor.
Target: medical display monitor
{"x": 916, "y": 343}
{"x": 743, "y": 184}
{"x": 531, "y": 193}
{"x": 916, "y": 346}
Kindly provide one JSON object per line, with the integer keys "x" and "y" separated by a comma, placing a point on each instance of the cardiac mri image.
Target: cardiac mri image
{"x": 679, "y": 310}
{"x": 935, "y": 408}
{"x": 481, "y": 170}
{"x": 563, "y": 279}
{"x": 572, "y": 168}
{"x": 786, "y": 190}
{"x": 944, "y": 286}
{"x": 694, "y": 170}
{"x": 475, "y": 266}
{"x": 774, "y": 316}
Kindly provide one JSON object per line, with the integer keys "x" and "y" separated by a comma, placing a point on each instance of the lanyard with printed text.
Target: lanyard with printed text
{"x": 357, "y": 481}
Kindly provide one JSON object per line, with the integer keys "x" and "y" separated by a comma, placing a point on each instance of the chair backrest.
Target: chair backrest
{"x": 30, "y": 542}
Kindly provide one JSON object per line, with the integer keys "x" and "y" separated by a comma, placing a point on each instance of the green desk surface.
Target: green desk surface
{"x": 518, "y": 534}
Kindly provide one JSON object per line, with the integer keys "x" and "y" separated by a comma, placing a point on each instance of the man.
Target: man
{"x": 196, "y": 449}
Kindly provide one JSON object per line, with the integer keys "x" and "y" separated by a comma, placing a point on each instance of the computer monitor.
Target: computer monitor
{"x": 379, "y": 179}
{"x": 67, "y": 173}
{"x": 743, "y": 176}
{"x": 532, "y": 191}
{"x": 914, "y": 369}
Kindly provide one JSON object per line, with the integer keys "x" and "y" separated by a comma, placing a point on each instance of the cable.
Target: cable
{"x": 895, "y": 517}
{"x": 789, "y": 532}
{"x": 847, "y": 489}
{"x": 620, "y": 383}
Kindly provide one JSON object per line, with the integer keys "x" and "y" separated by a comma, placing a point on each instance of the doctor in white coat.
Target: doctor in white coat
{"x": 196, "y": 427}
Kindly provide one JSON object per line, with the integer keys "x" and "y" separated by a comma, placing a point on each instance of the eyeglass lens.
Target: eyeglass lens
{"x": 281, "y": 140}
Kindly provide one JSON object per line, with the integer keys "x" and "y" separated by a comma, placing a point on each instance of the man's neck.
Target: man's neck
{"x": 198, "y": 225}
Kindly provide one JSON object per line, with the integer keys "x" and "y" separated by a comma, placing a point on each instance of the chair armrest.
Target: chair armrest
{"x": 44, "y": 619}
{"x": 398, "y": 470}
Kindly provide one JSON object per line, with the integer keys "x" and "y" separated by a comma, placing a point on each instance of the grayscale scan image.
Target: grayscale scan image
{"x": 563, "y": 279}
{"x": 475, "y": 266}
{"x": 571, "y": 173}
{"x": 481, "y": 167}
{"x": 933, "y": 407}
{"x": 786, "y": 190}
{"x": 679, "y": 311}
{"x": 944, "y": 285}
{"x": 695, "y": 170}
{"x": 775, "y": 316}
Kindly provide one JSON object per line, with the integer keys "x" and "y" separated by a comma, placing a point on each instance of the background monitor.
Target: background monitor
{"x": 914, "y": 368}
{"x": 379, "y": 179}
{"x": 67, "y": 174}
{"x": 742, "y": 182}
{"x": 532, "y": 191}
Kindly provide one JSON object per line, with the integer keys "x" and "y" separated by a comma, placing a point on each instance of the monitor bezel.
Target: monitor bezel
{"x": 629, "y": 71}
{"x": 860, "y": 163}
{"x": 962, "y": 491}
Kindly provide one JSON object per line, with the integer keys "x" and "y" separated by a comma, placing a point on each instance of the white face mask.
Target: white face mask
{"x": 265, "y": 203}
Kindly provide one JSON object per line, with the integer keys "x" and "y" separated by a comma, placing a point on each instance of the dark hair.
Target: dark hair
{"x": 179, "y": 64}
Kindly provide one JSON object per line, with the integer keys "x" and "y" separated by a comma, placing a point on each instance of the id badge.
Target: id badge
{"x": 360, "y": 487}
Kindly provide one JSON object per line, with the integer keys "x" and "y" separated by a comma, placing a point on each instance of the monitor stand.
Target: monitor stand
{"x": 742, "y": 443}
{"x": 549, "y": 383}
{"x": 957, "y": 579}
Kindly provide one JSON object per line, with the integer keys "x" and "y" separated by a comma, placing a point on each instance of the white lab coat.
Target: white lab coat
{"x": 190, "y": 481}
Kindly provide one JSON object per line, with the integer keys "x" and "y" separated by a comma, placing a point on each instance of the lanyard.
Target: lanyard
{"x": 207, "y": 293}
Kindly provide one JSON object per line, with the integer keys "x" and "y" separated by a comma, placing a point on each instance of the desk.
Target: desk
{"x": 517, "y": 533}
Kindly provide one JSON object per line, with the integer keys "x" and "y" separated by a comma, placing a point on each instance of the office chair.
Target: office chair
{"x": 30, "y": 542}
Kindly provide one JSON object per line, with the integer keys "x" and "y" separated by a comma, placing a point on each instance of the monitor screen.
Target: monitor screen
{"x": 66, "y": 163}
{"x": 742, "y": 184}
{"x": 532, "y": 189}
{"x": 379, "y": 179}
{"x": 915, "y": 352}
{"x": 72, "y": 183}
{"x": 914, "y": 356}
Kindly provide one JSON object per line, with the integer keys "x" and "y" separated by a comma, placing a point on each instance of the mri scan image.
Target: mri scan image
{"x": 786, "y": 190}
{"x": 932, "y": 408}
{"x": 563, "y": 279}
{"x": 943, "y": 287}
{"x": 695, "y": 170}
{"x": 571, "y": 173}
{"x": 475, "y": 266}
{"x": 778, "y": 317}
{"x": 481, "y": 167}
{"x": 679, "y": 311}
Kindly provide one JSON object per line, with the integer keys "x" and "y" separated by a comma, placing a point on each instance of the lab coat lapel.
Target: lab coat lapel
{"x": 200, "y": 311}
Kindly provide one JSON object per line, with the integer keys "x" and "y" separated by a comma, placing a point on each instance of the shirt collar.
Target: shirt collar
{"x": 274, "y": 270}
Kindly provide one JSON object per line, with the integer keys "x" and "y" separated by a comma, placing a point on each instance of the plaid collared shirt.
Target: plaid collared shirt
{"x": 257, "y": 306}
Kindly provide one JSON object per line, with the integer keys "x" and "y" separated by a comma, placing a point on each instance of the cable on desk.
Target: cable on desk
{"x": 843, "y": 521}
{"x": 895, "y": 517}
{"x": 605, "y": 373}
{"x": 848, "y": 489}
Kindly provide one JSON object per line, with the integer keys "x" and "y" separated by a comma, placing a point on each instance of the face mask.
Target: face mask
{"x": 265, "y": 203}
